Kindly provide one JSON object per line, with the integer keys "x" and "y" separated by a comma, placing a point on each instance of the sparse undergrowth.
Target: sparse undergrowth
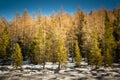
{"x": 36, "y": 72}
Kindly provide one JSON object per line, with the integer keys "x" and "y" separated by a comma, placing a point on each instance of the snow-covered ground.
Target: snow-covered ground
{"x": 35, "y": 72}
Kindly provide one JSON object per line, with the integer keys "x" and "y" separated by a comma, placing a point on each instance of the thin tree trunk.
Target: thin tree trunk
{"x": 59, "y": 66}
{"x": 72, "y": 58}
{"x": 43, "y": 65}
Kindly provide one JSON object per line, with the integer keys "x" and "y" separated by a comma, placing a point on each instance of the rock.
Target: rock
{"x": 18, "y": 74}
{"x": 94, "y": 73}
{"x": 83, "y": 78}
{"x": 4, "y": 68}
{"x": 104, "y": 74}
{"x": 26, "y": 74}
{"x": 4, "y": 77}
{"x": 24, "y": 70}
{"x": 108, "y": 78}
{"x": 17, "y": 71}
{"x": 99, "y": 77}
{"x": 100, "y": 70}
{"x": 113, "y": 70}
{"x": 117, "y": 75}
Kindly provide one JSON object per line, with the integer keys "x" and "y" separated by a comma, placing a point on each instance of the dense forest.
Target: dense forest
{"x": 94, "y": 37}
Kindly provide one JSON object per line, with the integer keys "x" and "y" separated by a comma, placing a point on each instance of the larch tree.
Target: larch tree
{"x": 71, "y": 38}
{"x": 79, "y": 23}
{"x": 95, "y": 52}
{"x": 34, "y": 50}
{"x": 50, "y": 38}
{"x": 86, "y": 36}
{"x": 53, "y": 39}
{"x": 48, "y": 47}
{"x": 26, "y": 23}
{"x": 60, "y": 37}
{"x": 116, "y": 26}
{"x": 35, "y": 54}
{"x": 78, "y": 57}
{"x": 4, "y": 41}
{"x": 62, "y": 54}
{"x": 17, "y": 56}
{"x": 109, "y": 42}
{"x": 37, "y": 47}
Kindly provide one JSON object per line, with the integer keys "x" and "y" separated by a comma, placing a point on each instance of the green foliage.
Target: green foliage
{"x": 109, "y": 43}
{"x": 47, "y": 39}
{"x": 41, "y": 45}
{"x": 17, "y": 56}
{"x": 62, "y": 55}
{"x": 34, "y": 50}
{"x": 37, "y": 48}
{"x": 4, "y": 44}
{"x": 78, "y": 57}
{"x": 54, "y": 50}
{"x": 48, "y": 47}
{"x": 95, "y": 52}
{"x": 108, "y": 58}
{"x": 80, "y": 24}
{"x": 116, "y": 25}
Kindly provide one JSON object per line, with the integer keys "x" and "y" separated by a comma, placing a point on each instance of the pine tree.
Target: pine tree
{"x": 78, "y": 57}
{"x": 109, "y": 43}
{"x": 95, "y": 52}
{"x": 17, "y": 56}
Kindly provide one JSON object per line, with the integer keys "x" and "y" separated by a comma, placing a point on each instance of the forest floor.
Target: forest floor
{"x": 35, "y": 72}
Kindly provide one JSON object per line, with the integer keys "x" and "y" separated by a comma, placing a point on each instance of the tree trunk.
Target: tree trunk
{"x": 72, "y": 58}
{"x": 59, "y": 66}
{"x": 43, "y": 65}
